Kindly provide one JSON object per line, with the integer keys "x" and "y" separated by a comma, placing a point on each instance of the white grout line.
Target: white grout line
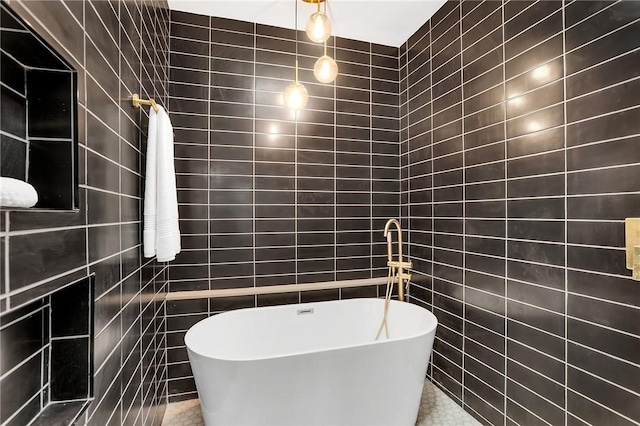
{"x": 464, "y": 214}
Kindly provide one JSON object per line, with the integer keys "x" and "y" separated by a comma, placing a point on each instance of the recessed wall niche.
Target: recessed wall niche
{"x": 46, "y": 358}
{"x": 38, "y": 114}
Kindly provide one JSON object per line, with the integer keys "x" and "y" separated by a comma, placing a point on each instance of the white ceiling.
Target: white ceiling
{"x": 387, "y": 22}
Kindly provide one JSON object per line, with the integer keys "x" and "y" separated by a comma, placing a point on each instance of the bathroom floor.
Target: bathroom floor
{"x": 436, "y": 408}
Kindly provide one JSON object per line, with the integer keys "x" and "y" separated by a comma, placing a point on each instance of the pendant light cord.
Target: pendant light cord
{"x": 325, "y": 14}
{"x": 295, "y": 30}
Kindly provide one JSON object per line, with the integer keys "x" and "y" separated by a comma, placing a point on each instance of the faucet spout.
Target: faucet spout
{"x": 388, "y": 225}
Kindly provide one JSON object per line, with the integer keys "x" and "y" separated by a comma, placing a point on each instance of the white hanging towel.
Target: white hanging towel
{"x": 161, "y": 234}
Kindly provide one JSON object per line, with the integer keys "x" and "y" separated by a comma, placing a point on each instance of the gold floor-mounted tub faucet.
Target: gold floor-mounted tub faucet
{"x": 396, "y": 272}
{"x": 399, "y": 265}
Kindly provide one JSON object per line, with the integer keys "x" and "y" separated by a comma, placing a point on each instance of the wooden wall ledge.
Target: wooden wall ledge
{"x": 273, "y": 289}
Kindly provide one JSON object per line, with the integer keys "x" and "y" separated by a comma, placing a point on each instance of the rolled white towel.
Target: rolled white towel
{"x": 16, "y": 193}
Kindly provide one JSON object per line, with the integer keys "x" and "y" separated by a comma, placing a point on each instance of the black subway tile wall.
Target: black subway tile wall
{"x": 118, "y": 48}
{"x": 266, "y": 197}
{"x": 519, "y": 126}
{"x": 502, "y": 133}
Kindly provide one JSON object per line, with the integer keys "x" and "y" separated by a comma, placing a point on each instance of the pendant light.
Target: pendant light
{"x": 325, "y": 68}
{"x": 296, "y": 95}
{"x": 319, "y": 26}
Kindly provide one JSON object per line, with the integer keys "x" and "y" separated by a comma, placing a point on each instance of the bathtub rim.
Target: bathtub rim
{"x": 429, "y": 330}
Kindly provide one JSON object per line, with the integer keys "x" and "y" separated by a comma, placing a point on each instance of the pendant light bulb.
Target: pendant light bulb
{"x": 325, "y": 69}
{"x": 318, "y": 27}
{"x": 296, "y": 96}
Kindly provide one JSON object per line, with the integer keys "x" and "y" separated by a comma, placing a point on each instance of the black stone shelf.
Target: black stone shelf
{"x": 61, "y": 413}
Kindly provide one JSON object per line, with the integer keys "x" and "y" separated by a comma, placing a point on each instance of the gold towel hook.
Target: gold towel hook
{"x": 136, "y": 101}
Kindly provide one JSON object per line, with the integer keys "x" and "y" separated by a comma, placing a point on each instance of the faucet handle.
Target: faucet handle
{"x": 396, "y": 264}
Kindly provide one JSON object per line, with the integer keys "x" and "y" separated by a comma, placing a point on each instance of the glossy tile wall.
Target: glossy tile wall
{"x": 118, "y": 48}
{"x": 264, "y": 198}
{"x": 519, "y": 133}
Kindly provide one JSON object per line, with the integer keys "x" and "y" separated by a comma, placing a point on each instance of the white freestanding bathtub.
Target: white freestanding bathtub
{"x": 312, "y": 364}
